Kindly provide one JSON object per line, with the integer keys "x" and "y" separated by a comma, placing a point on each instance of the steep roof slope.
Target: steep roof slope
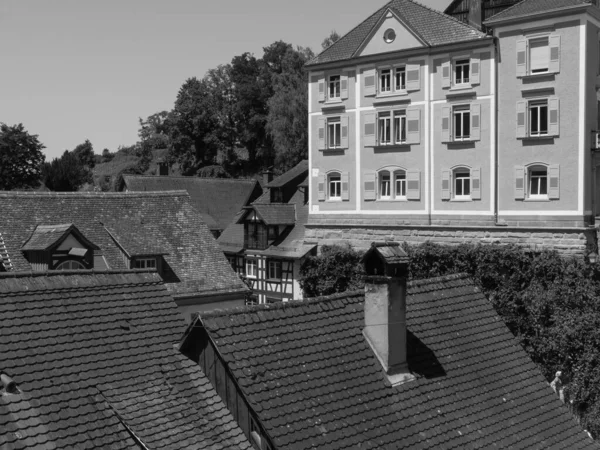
{"x": 314, "y": 381}
{"x": 93, "y": 358}
{"x": 220, "y": 198}
{"x": 167, "y": 219}
{"x": 433, "y": 27}
{"x": 529, "y": 7}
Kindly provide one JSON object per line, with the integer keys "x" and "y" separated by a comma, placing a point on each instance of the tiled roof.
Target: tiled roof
{"x": 45, "y": 236}
{"x": 275, "y": 213}
{"x": 529, "y": 7}
{"x": 93, "y": 357}
{"x": 219, "y": 198}
{"x": 314, "y": 382}
{"x": 432, "y": 27}
{"x": 295, "y": 172}
{"x": 165, "y": 218}
{"x": 232, "y": 238}
{"x": 131, "y": 236}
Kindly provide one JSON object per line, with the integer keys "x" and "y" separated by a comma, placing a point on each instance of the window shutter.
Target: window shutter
{"x": 553, "y": 182}
{"x": 321, "y": 89}
{"x": 370, "y": 129}
{"x": 321, "y": 186}
{"x": 554, "y": 42}
{"x": 476, "y": 184}
{"x": 345, "y": 131}
{"x": 519, "y": 182}
{"x": 446, "y": 74}
{"x": 553, "y": 117}
{"x": 345, "y": 186}
{"x": 413, "y": 184}
{"x": 521, "y": 119}
{"x": 521, "y": 57}
{"x": 344, "y": 87}
{"x": 413, "y": 126}
{"x": 370, "y": 186}
{"x": 369, "y": 82}
{"x": 475, "y": 121}
{"x": 322, "y": 124}
{"x": 445, "y": 184}
{"x": 445, "y": 124}
{"x": 413, "y": 77}
{"x": 475, "y": 69}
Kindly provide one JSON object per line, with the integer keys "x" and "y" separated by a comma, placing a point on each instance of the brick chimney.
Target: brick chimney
{"x": 476, "y": 13}
{"x": 267, "y": 176}
{"x": 386, "y": 266}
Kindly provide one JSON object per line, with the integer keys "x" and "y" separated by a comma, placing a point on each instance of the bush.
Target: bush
{"x": 550, "y": 303}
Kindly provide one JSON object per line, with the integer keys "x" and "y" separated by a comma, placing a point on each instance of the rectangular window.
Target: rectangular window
{"x": 385, "y": 128}
{"x": 461, "y": 71}
{"x": 400, "y": 181}
{"x": 462, "y": 184}
{"x": 145, "y": 263}
{"x": 399, "y": 127}
{"x": 334, "y": 133}
{"x": 335, "y": 186}
{"x": 401, "y": 79}
{"x": 462, "y": 123}
{"x": 272, "y": 233}
{"x": 274, "y": 270}
{"x": 538, "y": 183}
{"x": 385, "y": 80}
{"x": 539, "y": 55}
{"x": 385, "y": 186}
{"x": 255, "y": 235}
{"x": 538, "y": 118}
{"x": 334, "y": 87}
{"x": 251, "y": 268}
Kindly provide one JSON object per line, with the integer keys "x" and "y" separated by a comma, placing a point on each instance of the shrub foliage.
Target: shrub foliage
{"x": 550, "y": 303}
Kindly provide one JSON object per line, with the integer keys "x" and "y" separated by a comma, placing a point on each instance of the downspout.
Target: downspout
{"x": 496, "y": 169}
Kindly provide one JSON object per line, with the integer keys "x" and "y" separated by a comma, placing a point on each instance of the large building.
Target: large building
{"x": 425, "y": 128}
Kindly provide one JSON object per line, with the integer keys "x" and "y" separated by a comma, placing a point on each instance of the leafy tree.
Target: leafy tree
{"x": 21, "y": 158}
{"x": 330, "y": 40}
{"x": 287, "y": 121}
{"x": 67, "y": 173}
{"x": 107, "y": 156}
{"x": 85, "y": 154}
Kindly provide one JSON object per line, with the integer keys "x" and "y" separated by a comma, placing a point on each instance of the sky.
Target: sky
{"x": 73, "y": 70}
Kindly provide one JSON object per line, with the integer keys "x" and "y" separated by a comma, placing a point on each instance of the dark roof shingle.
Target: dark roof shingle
{"x": 432, "y": 27}
{"x": 530, "y": 7}
{"x": 314, "y": 381}
{"x": 93, "y": 357}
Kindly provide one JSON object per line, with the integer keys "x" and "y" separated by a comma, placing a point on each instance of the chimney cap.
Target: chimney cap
{"x": 385, "y": 258}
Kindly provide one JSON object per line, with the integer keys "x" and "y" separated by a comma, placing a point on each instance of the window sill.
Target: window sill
{"x": 333, "y": 105}
{"x": 334, "y": 200}
{"x": 461, "y": 87}
{"x": 537, "y": 138}
{"x": 392, "y": 200}
{"x": 391, "y": 146}
{"x": 461, "y": 200}
{"x": 541, "y": 199}
{"x": 333, "y": 149}
{"x": 401, "y": 96}
{"x": 538, "y": 76}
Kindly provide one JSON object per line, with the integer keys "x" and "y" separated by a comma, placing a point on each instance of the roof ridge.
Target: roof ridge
{"x": 124, "y": 194}
{"x": 191, "y": 178}
{"x": 56, "y": 273}
{"x": 448, "y": 16}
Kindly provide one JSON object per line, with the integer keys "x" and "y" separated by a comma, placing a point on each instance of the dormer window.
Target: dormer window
{"x": 70, "y": 265}
{"x": 144, "y": 263}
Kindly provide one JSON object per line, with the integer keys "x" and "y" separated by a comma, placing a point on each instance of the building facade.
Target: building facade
{"x": 424, "y": 128}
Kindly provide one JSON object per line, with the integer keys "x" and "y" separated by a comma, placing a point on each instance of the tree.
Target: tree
{"x": 85, "y": 154}
{"x": 67, "y": 173}
{"x": 330, "y": 40}
{"x": 21, "y": 158}
{"x": 287, "y": 121}
{"x": 107, "y": 156}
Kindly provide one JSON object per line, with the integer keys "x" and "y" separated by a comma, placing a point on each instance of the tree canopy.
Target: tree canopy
{"x": 21, "y": 158}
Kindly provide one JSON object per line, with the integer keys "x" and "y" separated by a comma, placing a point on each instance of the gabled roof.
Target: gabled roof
{"x": 295, "y": 172}
{"x": 219, "y": 198}
{"x": 274, "y": 213}
{"x": 433, "y": 27}
{"x": 314, "y": 382}
{"x": 533, "y": 7}
{"x": 167, "y": 220}
{"x": 93, "y": 358}
{"x": 46, "y": 236}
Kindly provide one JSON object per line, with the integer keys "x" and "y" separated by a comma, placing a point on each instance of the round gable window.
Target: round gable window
{"x": 389, "y": 35}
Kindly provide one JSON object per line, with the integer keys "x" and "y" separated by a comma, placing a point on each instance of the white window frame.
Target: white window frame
{"x": 463, "y": 181}
{"x": 537, "y": 105}
{"x": 464, "y": 64}
{"x": 334, "y": 180}
{"x": 251, "y": 263}
{"x": 461, "y": 111}
{"x": 273, "y": 266}
{"x": 530, "y": 41}
{"x": 399, "y": 123}
{"x": 391, "y": 184}
{"x": 530, "y": 177}
{"x": 384, "y": 128}
{"x": 144, "y": 263}
{"x": 385, "y": 185}
{"x": 400, "y": 180}
{"x": 385, "y": 80}
{"x": 334, "y": 84}
{"x": 334, "y": 131}
{"x": 400, "y": 73}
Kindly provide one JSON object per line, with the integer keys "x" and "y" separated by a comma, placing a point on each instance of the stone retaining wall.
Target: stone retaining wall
{"x": 572, "y": 241}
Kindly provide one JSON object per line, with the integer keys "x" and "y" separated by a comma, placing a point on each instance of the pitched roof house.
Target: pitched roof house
{"x": 266, "y": 242}
{"x": 423, "y": 365}
{"x": 120, "y": 231}
{"x": 88, "y": 362}
{"x": 217, "y": 199}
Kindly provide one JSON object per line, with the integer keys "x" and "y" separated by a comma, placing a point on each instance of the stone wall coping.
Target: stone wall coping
{"x": 452, "y": 227}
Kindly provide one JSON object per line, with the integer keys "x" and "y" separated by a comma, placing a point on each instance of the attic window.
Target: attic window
{"x": 389, "y": 35}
